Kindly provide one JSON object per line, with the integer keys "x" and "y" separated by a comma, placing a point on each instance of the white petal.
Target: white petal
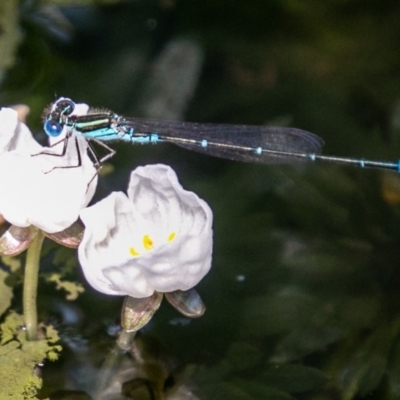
{"x": 105, "y": 222}
{"x": 15, "y": 135}
{"x": 136, "y": 286}
{"x": 176, "y": 223}
{"x": 63, "y": 193}
{"x": 13, "y": 200}
{"x": 34, "y": 194}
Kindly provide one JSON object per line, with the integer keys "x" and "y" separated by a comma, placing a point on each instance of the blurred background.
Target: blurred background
{"x": 303, "y": 297}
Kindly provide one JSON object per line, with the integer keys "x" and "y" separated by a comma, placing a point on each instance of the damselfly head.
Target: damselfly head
{"x": 60, "y": 110}
{"x": 56, "y": 115}
{"x": 62, "y": 107}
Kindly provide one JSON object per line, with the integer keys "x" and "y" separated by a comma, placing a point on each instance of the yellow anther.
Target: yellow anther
{"x": 171, "y": 236}
{"x": 147, "y": 242}
{"x": 133, "y": 252}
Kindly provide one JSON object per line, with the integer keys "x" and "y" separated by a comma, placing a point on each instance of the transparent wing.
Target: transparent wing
{"x": 262, "y": 144}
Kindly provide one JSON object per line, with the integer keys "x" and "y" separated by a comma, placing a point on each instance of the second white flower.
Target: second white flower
{"x": 158, "y": 238}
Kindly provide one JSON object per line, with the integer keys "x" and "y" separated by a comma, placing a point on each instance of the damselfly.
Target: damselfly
{"x": 261, "y": 144}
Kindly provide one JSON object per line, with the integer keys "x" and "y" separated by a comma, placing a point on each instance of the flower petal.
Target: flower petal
{"x": 160, "y": 238}
{"x": 98, "y": 250}
{"x": 31, "y": 196}
{"x": 15, "y": 135}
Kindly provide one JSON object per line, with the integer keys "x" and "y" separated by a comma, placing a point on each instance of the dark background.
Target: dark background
{"x": 302, "y": 300}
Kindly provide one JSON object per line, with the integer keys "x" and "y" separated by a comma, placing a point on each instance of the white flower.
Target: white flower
{"x": 158, "y": 238}
{"x": 33, "y": 191}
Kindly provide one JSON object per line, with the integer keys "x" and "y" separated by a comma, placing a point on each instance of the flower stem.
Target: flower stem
{"x": 125, "y": 339}
{"x": 113, "y": 361}
{"x": 30, "y": 285}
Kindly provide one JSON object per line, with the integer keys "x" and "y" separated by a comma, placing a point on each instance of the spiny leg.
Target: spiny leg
{"x": 98, "y": 163}
{"x": 63, "y": 152}
{"x": 111, "y": 152}
{"x": 78, "y": 153}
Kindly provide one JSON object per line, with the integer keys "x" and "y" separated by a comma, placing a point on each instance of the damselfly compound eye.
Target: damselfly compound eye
{"x": 52, "y": 128}
{"x": 65, "y": 106}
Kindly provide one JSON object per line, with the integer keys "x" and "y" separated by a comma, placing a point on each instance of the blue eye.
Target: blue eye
{"x": 52, "y": 128}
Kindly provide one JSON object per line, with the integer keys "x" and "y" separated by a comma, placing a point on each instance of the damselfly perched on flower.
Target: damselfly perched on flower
{"x": 260, "y": 144}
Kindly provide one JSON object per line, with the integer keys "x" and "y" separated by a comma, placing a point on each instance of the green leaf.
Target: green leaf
{"x": 66, "y": 261}
{"x": 260, "y": 391}
{"x": 304, "y": 341}
{"x": 6, "y": 293}
{"x": 224, "y": 391}
{"x": 14, "y": 263}
{"x": 243, "y": 356}
{"x": 18, "y": 358}
{"x": 10, "y": 327}
{"x": 241, "y": 389}
{"x": 73, "y": 289}
{"x": 359, "y": 365}
{"x": 394, "y": 372}
{"x": 65, "y": 258}
{"x": 294, "y": 378}
{"x": 288, "y": 309}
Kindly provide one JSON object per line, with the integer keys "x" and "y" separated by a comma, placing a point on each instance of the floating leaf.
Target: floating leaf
{"x": 294, "y": 378}
{"x": 73, "y": 289}
{"x": 13, "y": 263}
{"x": 282, "y": 312}
{"x": 394, "y": 372}
{"x": 243, "y": 356}
{"x": 18, "y": 358}
{"x": 6, "y": 293}
{"x": 66, "y": 259}
{"x": 359, "y": 364}
{"x": 224, "y": 391}
{"x": 261, "y": 391}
